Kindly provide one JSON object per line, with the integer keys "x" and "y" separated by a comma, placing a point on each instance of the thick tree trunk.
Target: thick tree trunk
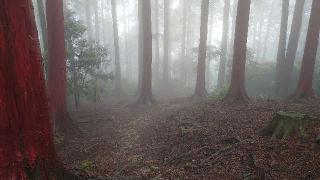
{"x": 224, "y": 45}
{"x": 200, "y": 90}
{"x": 87, "y": 7}
{"x": 237, "y": 92}
{"x": 57, "y": 67}
{"x": 26, "y": 145}
{"x": 146, "y": 84}
{"x": 292, "y": 47}
{"x": 166, "y": 44}
{"x": 281, "y": 55}
{"x": 305, "y": 89}
{"x": 118, "y": 88}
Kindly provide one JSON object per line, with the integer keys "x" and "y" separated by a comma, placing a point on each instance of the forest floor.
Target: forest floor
{"x": 180, "y": 139}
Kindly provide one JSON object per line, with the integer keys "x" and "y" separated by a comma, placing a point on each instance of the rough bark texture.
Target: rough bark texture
{"x": 200, "y": 90}
{"x": 281, "y": 55}
{"x": 292, "y": 47}
{"x": 305, "y": 89}
{"x": 166, "y": 44}
{"x": 237, "y": 90}
{"x": 26, "y": 143}
{"x": 118, "y": 88}
{"x": 146, "y": 83}
{"x": 224, "y": 45}
{"x": 57, "y": 67}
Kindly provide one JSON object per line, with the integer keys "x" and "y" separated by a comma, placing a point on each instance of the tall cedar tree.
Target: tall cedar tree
{"x": 200, "y": 90}
{"x": 146, "y": 83}
{"x": 224, "y": 45}
{"x": 118, "y": 87}
{"x": 281, "y": 55}
{"x": 26, "y": 143}
{"x": 305, "y": 89}
{"x": 57, "y": 67}
{"x": 292, "y": 47}
{"x": 237, "y": 91}
{"x": 166, "y": 44}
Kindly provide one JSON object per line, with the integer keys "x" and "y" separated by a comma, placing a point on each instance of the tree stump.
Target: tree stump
{"x": 285, "y": 124}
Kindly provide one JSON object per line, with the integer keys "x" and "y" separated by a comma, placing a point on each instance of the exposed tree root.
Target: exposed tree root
{"x": 285, "y": 124}
{"x": 145, "y": 100}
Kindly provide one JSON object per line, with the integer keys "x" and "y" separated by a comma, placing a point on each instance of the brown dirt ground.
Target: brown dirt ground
{"x": 180, "y": 139}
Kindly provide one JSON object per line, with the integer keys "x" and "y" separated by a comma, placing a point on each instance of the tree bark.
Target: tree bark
{"x": 140, "y": 46}
{"x": 146, "y": 84}
{"x": 200, "y": 90}
{"x": 292, "y": 46}
{"x": 57, "y": 67}
{"x": 118, "y": 88}
{"x": 281, "y": 55}
{"x": 25, "y": 131}
{"x": 183, "y": 41}
{"x": 237, "y": 92}
{"x": 166, "y": 44}
{"x": 305, "y": 89}
{"x": 224, "y": 45}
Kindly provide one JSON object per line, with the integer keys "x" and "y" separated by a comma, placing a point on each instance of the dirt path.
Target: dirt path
{"x": 111, "y": 142}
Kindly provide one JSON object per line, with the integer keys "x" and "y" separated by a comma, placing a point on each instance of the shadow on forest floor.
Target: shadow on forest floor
{"x": 178, "y": 139}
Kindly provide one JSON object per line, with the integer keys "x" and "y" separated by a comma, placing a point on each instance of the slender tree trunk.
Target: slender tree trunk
{"x": 224, "y": 45}
{"x": 281, "y": 55}
{"x": 183, "y": 41}
{"x": 27, "y": 149}
{"x": 237, "y": 92}
{"x": 146, "y": 84}
{"x": 96, "y": 21}
{"x": 305, "y": 89}
{"x": 88, "y": 19}
{"x": 140, "y": 46}
{"x": 128, "y": 62}
{"x": 156, "y": 48}
{"x": 292, "y": 46}
{"x": 57, "y": 67}
{"x": 166, "y": 44}
{"x": 200, "y": 90}
{"x": 118, "y": 88}
{"x": 270, "y": 23}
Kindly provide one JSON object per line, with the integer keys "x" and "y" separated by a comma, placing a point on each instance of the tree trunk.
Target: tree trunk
{"x": 96, "y": 20}
{"x": 224, "y": 45}
{"x": 43, "y": 24}
{"x": 156, "y": 48}
{"x": 200, "y": 90}
{"x": 57, "y": 67}
{"x": 281, "y": 55}
{"x": 270, "y": 24}
{"x": 118, "y": 88}
{"x": 140, "y": 46}
{"x": 305, "y": 89}
{"x": 292, "y": 46}
{"x": 237, "y": 92}
{"x": 146, "y": 84}
{"x": 166, "y": 44}
{"x": 183, "y": 41}
{"x": 88, "y": 19}
{"x": 128, "y": 62}
{"x": 27, "y": 149}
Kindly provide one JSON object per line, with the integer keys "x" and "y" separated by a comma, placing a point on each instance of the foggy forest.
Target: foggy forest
{"x": 159, "y": 89}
